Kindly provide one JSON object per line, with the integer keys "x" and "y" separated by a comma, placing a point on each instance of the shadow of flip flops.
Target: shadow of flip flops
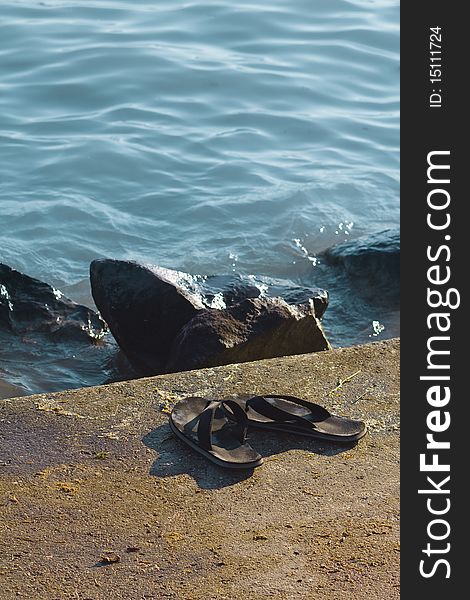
{"x": 175, "y": 458}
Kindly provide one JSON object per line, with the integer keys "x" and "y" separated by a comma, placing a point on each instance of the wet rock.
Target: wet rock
{"x": 31, "y": 309}
{"x": 301, "y": 295}
{"x": 223, "y": 291}
{"x": 144, "y": 307}
{"x": 226, "y": 290}
{"x": 253, "y": 329}
{"x": 374, "y": 257}
{"x": 366, "y": 271}
{"x": 47, "y": 341}
{"x": 166, "y": 320}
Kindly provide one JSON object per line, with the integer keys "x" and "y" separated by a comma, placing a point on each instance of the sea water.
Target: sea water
{"x": 209, "y": 137}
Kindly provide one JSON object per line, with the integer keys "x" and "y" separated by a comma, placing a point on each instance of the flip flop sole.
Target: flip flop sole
{"x": 295, "y": 430}
{"x": 209, "y": 455}
{"x": 311, "y": 434}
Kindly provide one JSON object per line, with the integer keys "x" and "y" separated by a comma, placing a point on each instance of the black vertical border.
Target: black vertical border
{"x": 425, "y": 129}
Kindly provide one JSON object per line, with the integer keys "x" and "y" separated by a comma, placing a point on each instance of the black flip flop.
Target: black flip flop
{"x": 294, "y": 415}
{"x": 217, "y": 430}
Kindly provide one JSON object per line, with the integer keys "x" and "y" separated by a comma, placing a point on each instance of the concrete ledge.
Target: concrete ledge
{"x": 96, "y": 470}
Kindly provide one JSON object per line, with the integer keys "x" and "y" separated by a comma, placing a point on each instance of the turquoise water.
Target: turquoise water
{"x": 208, "y": 137}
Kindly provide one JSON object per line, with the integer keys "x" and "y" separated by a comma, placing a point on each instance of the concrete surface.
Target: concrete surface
{"x": 98, "y": 500}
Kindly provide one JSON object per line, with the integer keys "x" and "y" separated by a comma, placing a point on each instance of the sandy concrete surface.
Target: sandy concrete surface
{"x": 98, "y": 500}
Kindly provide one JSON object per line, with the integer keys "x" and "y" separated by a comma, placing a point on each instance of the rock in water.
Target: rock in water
{"x": 255, "y": 328}
{"x": 47, "y": 342}
{"x": 30, "y": 308}
{"x": 165, "y": 320}
{"x": 235, "y": 288}
{"x": 144, "y": 308}
{"x": 225, "y": 290}
{"x": 372, "y": 257}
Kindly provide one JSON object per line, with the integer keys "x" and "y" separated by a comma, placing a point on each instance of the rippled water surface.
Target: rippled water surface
{"x": 209, "y": 137}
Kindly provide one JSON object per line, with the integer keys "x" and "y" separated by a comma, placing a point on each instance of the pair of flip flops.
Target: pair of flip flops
{"x": 217, "y": 429}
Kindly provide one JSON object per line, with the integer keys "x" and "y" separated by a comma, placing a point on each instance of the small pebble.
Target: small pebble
{"x": 110, "y": 557}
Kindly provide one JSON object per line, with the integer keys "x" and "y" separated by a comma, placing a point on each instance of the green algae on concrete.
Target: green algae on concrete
{"x": 96, "y": 472}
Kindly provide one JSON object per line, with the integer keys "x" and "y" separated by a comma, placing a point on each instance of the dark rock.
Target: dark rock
{"x": 229, "y": 288}
{"x": 167, "y": 320}
{"x": 235, "y": 288}
{"x": 250, "y": 330}
{"x": 144, "y": 307}
{"x": 374, "y": 257}
{"x": 29, "y": 307}
{"x": 363, "y": 276}
{"x": 47, "y": 341}
{"x": 301, "y": 295}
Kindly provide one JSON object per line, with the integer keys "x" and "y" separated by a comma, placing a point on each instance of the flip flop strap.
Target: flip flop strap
{"x": 206, "y": 419}
{"x": 204, "y": 427}
{"x": 265, "y": 408}
{"x": 237, "y": 414}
